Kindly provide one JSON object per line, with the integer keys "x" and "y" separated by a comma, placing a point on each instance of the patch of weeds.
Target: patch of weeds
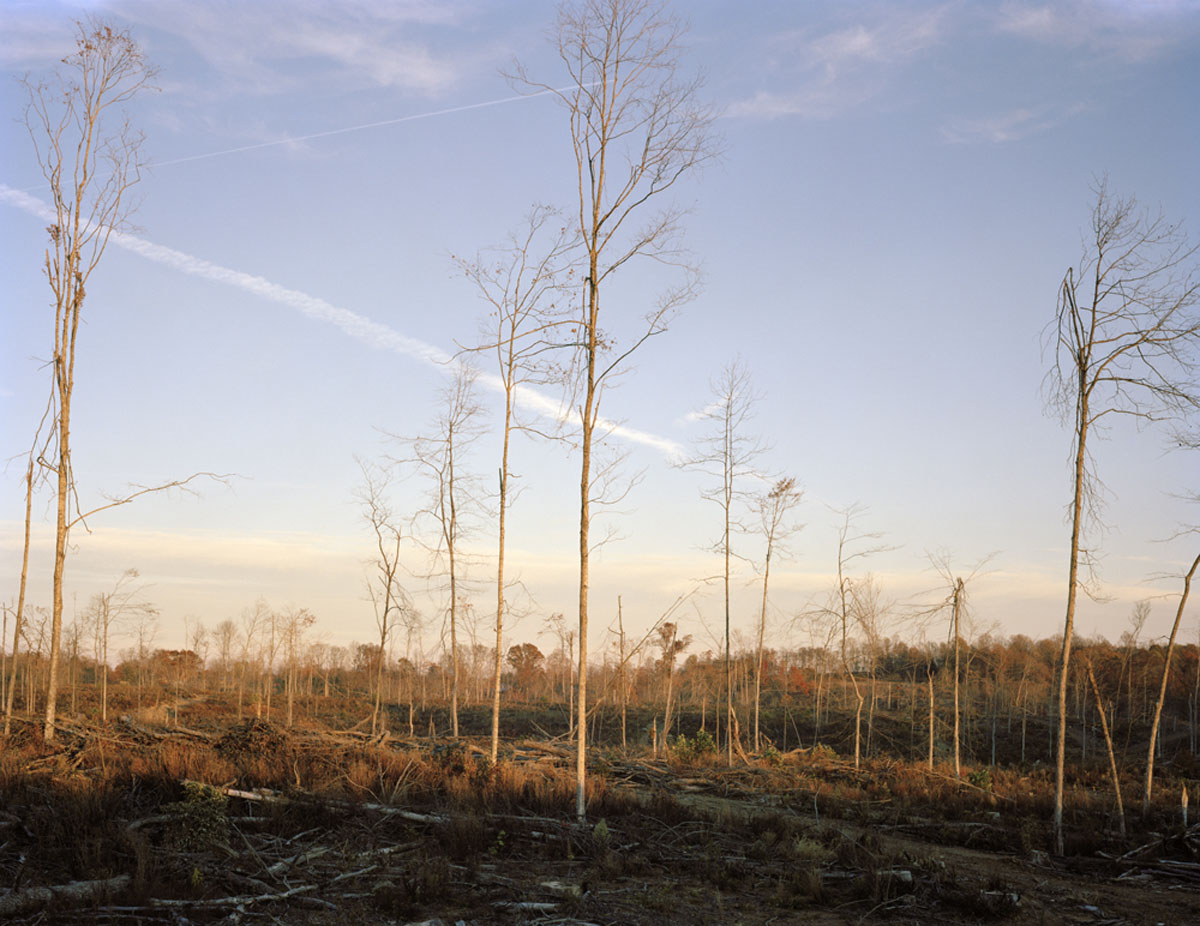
{"x": 799, "y": 887}
{"x": 981, "y": 778}
{"x": 806, "y": 851}
{"x": 857, "y": 853}
{"x": 200, "y": 820}
{"x": 765, "y": 847}
{"x": 451, "y": 758}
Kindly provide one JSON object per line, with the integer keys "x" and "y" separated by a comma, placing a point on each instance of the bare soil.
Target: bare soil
{"x": 242, "y": 823}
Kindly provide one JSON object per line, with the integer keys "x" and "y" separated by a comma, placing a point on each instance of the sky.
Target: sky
{"x": 901, "y": 189}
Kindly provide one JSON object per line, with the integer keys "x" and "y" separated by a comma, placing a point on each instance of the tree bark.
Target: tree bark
{"x": 1162, "y": 689}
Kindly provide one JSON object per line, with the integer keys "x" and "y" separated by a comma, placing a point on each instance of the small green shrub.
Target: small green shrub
{"x": 697, "y": 748}
{"x": 200, "y": 818}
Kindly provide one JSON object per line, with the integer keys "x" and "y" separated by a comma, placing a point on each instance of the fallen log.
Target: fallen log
{"x": 233, "y": 901}
{"x": 74, "y": 894}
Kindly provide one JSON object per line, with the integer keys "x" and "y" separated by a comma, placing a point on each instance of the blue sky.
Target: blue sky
{"x": 902, "y": 189}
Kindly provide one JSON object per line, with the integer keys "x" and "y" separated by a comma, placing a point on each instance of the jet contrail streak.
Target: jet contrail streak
{"x": 362, "y": 329}
{"x": 365, "y": 125}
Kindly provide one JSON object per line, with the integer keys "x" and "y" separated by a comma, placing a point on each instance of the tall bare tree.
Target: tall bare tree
{"x": 525, "y": 284}
{"x": 853, "y": 545}
{"x": 90, "y": 156}
{"x": 636, "y": 129}
{"x": 452, "y": 495}
{"x": 671, "y": 645}
{"x": 19, "y": 611}
{"x": 773, "y": 507}
{"x": 383, "y": 587}
{"x": 1126, "y": 337}
{"x": 728, "y": 454}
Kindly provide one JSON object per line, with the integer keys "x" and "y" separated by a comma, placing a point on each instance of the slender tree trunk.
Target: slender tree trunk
{"x": 624, "y": 692}
{"x": 64, "y": 374}
{"x": 498, "y": 667}
{"x": 1112, "y": 758}
{"x": 669, "y": 658}
{"x": 19, "y": 617}
{"x": 587, "y": 425}
{"x": 762, "y": 629}
{"x": 1162, "y": 690}
{"x": 1064, "y": 661}
{"x": 957, "y": 713}
{"x": 929, "y": 678}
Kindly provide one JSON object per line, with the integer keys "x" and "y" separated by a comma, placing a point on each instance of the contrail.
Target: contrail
{"x": 362, "y": 329}
{"x": 367, "y": 125}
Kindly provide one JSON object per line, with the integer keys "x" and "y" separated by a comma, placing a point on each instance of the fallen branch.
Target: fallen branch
{"x": 233, "y": 901}
{"x": 74, "y": 894}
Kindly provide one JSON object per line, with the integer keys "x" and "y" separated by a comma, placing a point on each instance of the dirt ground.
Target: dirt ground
{"x": 331, "y": 829}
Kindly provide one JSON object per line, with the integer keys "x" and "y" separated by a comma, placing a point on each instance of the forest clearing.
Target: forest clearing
{"x": 181, "y": 812}
{"x": 736, "y": 720}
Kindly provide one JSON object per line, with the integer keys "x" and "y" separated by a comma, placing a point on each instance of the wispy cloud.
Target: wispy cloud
{"x": 371, "y": 333}
{"x": 1010, "y": 126}
{"x": 297, "y": 140}
{"x": 270, "y": 46}
{"x": 29, "y": 41}
{"x": 845, "y": 67}
{"x": 1130, "y": 30}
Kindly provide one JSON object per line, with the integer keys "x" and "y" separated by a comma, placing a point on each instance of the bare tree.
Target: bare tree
{"x": 556, "y": 624}
{"x": 773, "y": 508}
{"x": 293, "y": 624}
{"x": 90, "y": 162}
{"x": 452, "y": 495}
{"x": 126, "y": 600}
{"x": 671, "y": 645}
{"x": 728, "y": 455}
{"x": 1125, "y": 342}
{"x": 1162, "y": 690}
{"x": 954, "y": 603}
{"x": 870, "y": 613}
{"x": 145, "y": 630}
{"x": 1108, "y": 742}
{"x": 853, "y": 545}
{"x": 19, "y": 612}
{"x": 524, "y": 283}
{"x": 387, "y": 594}
{"x": 253, "y": 626}
{"x": 635, "y": 130}
{"x": 225, "y": 635}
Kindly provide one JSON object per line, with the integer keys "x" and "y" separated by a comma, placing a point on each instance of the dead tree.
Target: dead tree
{"x": 635, "y": 130}
{"x": 452, "y": 495}
{"x": 91, "y": 157}
{"x": 729, "y": 456}
{"x": 383, "y": 585}
{"x": 852, "y": 545}
{"x": 525, "y": 285}
{"x": 1162, "y": 690}
{"x": 773, "y": 507}
{"x": 1126, "y": 338}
